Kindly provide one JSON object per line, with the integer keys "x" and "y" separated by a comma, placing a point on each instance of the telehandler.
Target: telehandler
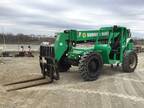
{"x": 89, "y": 50}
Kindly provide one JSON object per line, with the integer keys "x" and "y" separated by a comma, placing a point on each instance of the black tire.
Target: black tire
{"x": 63, "y": 65}
{"x": 90, "y": 66}
{"x": 130, "y": 62}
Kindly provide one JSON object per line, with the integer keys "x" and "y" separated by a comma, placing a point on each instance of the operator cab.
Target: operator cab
{"x": 111, "y": 36}
{"x": 115, "y": 44}
{"x": 115, "y": 48}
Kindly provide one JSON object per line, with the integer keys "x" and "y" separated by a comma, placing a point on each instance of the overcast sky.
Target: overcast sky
{"x": 49, "y": 16}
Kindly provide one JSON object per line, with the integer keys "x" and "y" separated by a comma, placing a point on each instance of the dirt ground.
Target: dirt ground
{"x": 113, "y": 89}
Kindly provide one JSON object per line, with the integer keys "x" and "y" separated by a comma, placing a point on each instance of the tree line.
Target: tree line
{"x": 32, "y": 39}
{"x": 23, "y": 39}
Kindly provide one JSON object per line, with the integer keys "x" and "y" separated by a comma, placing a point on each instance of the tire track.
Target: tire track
{"x": 87, "y": 91}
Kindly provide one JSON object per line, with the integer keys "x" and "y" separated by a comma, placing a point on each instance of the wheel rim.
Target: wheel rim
{"x": 93, "y": 66}
{"x": 132, "y": 62}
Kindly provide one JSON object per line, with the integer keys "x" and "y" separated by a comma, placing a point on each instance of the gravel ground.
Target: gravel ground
{"x": 113, "y": 89}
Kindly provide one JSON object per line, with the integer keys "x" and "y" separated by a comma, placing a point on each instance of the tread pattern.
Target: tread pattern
{"x": 83, "y": 66}
{"x": 125, "y": 64}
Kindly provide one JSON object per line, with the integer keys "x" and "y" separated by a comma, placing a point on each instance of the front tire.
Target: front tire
{"x": 63, "y": 65}
{"x": 90, "y": 66}
{"x": 130, "y": 62}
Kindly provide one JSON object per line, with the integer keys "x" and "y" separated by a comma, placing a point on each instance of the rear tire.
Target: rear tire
{"x": 130, "y": 62}
{"x": 90, "y": 66}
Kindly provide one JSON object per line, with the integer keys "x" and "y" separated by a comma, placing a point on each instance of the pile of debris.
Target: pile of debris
{"x": 139, "y": 48}
{"x": 21, "y": 53}
{"x": 24, "y": 53}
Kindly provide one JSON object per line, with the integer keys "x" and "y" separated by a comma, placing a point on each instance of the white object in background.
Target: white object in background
{"x": 45, "y": 43}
